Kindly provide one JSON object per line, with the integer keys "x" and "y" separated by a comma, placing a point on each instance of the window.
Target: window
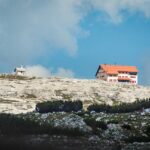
{"x": 133, "y": 76}
{"x": 133, "y": 73}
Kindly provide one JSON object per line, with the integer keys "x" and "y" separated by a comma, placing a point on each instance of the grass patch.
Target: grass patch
{"x": 63, "y": 95}
{"x": 30, "y": 96}
{"x": 12, "y": 77}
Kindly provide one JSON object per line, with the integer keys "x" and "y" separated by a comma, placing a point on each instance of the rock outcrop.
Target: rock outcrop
{"x": 21, "y": 95}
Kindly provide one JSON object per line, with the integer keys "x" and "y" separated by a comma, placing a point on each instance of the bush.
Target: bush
{"x": 12, "y": 124}
{"x": 138, "y": 139}
{"x": 126, "y": 126}
{"x": 122, "y": 108}
{"x": 99, "y": 108}
{"x": 22, "y": 124}
{"x": 95, "y": 125}
{"x": 58, "y": 106}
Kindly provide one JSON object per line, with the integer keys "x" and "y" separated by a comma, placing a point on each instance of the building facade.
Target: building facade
{"x": 117, "y": 73}
{"x": 20, "y": 71}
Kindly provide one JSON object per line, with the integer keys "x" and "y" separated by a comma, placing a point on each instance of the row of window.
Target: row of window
{"x": 113, "y": 75}
{"x": 122, "y": 76}
{"x": 126, "y": 76}
{"x": 133, "y": 76}
{"x": 115, "y": 80}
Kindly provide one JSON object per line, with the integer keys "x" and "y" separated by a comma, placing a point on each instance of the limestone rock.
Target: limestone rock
{"x": 20, "y": 96}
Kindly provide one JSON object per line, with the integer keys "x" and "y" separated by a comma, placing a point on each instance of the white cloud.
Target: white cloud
{"x": 61, "y": 72}
{"x": 114, "y": 9}
{"x": 38, "y": 71}
{"x": 29, "y": 27}
{"x": 41, "y": 71}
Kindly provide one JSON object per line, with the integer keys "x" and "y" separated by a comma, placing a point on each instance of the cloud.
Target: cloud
{"x": 61, "y": 72}
{"x": 41, "y": 71}
{"x": 29, "y": 28}
{"x": 115, "y": 9}
{"x": 38, "y": 71}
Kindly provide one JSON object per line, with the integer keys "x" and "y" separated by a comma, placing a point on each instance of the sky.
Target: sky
{"x": 71, "y": 38}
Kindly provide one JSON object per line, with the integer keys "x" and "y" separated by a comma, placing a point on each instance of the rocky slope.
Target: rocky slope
{"x": 72, "y": 131}
{"x": 21, "y": 94}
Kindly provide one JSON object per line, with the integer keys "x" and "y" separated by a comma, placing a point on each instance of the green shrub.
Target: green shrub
{"x": 95, "y": 125}
{"x": 58, "y": 106}
{"x": 148, "y": 130}
{"x": 138, "y": 139}
{"x": 22, "y": 124}
{"x": 12, "y": 124}
{"x": 126, "y": 126}
{"x": 99, "y": 108}
{"x": 122, "y": 108}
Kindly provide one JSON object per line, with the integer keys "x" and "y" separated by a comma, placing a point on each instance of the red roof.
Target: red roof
{"x": 115, "y": 69}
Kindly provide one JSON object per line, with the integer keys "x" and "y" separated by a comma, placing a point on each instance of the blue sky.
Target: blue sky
{"x": 71, "y": 38}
